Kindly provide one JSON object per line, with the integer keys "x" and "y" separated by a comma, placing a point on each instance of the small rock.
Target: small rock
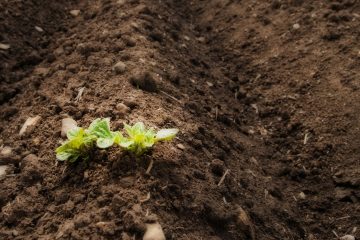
{"x": 7, "y": 156}
{"x": 6, "y": 151}
{"x": 154, "y": 232}
{"x": 122, "y": 109}
{"x": 3, "y": 169}
{"x": 302, "y": 195}
{"x": 296, "y": 26}
{"x": 130, "y": 42}
{"x": 145, "y": 81}
{"x": 4, "y": 46}
{"x": 75, "y": 13}
{"x": 180, "y": 146}
{"x": 39, "y": 29}
{"x": 347, "y": 237}
{"x": 29, "y": 125}
{"x": 121, "y": 2}
{"x": 119, "y": 68}
{"x": 186, "y": 38}
{"x": 201, "y": 39}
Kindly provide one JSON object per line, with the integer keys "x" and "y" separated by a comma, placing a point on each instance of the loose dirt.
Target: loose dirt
{"x": 265, "y": 94}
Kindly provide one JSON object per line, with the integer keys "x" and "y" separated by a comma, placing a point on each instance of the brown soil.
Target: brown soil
{"x": 268, "y": 90}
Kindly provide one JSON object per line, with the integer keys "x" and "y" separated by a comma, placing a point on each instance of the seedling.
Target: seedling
{"x": 100, "y": 128}
{"x": 140, "y": 139}
{"x": 77, "y": 146}
{"x": 81, "y": 141}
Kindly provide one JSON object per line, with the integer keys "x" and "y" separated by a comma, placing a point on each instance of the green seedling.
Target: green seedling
{"x": 77, "y": 146}
{"x": 140, "y": 139}
{"x": 81, "y": 141}
{"x": 100, "y": 128}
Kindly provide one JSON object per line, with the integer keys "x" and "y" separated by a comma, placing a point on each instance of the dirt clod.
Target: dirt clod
{"x": 119, "y": 68}
{"x": 145, "y": 81}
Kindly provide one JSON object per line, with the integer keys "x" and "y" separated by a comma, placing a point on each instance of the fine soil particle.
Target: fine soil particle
{"x": 265, "y": 94}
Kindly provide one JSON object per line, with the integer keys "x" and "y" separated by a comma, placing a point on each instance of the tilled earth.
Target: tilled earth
{"x": 265, "y": 94}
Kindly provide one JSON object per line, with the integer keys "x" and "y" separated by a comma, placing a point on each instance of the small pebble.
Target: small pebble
{"x": 67, "y": 124}
{"x": 39, "y": 29}
{"x": 201, "y": 39}
{"x": 347, "y": 237}
{"x": 6, "y": 151}
{"x": 302, "y": 195}
{"x": 119, "y": 68}
{"x": 130, "y": 42}
{"x": 296, "y": 26}
{"x": 121, "y": 2}
{"x": 3, "y": 169}
{"x": 4, "y": 46}
{"x": 180, "y": 146}
{"x": 75, "y": 13}
{"x": 154, "y": 232}
{"x": 30, "y": 122}
{"x": 122, "y": 109}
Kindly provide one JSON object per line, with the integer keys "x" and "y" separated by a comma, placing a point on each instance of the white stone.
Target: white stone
{"x": 6, "y": 151}
{"x": 119, "y": 67}
{"x": 180, "y": 146}
{"x": 3, "y": 169}
{"x": 347, "y": 237}
{"x": 4, "y": 46}
{"x": 31, "y": 121}
{"x": 154, "y": 232}
{"x": 302, "y": 195}
{"x": 296, "y": 26}
{"x": 67, "y": 124}
{"x": 39, "y": 29}
{"x": 75, "y": 12}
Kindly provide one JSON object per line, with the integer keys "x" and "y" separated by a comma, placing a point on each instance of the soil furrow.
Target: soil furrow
{"x": 264, "y": 94}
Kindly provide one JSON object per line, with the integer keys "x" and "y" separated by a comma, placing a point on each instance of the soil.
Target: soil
{"x": 265, "y": 94}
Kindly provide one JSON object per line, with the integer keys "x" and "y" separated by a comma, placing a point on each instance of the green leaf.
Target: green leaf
{"x": 104, "y": 142}
{"x": 166, "y": 134}
{"x": 117, "y": 137}
{"x": 73, "y": 133}
{"x": 141, "y": 139}
{"x": 69, "y": 150}
{"x": 135, "y": 130}
{"x": 126, "y": 143}
{"x": 76, "y": 147}
{"x": 100, "y": 128}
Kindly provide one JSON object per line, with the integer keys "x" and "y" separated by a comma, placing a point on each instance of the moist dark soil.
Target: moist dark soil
{"x": 265, "y": 94}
